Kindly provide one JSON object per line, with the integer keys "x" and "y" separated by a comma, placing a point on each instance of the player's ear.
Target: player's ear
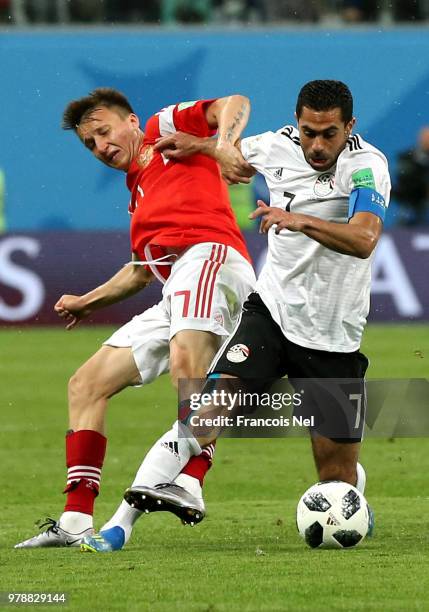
{"x": 349, "y": 126}
{"x": 134, "y": 121}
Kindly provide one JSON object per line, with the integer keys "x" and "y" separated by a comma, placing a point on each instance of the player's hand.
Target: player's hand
{"x": 72, "y": 309}
{"x": 234, "y": 167}
{"x": 178, "y": 145}
{"x": 276, "y": 216}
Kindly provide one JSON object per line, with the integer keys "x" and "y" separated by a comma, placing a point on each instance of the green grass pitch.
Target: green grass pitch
{"x": 246, "y": 555}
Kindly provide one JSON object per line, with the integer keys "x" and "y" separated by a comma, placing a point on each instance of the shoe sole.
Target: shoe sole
{"x": 146, "y": 502}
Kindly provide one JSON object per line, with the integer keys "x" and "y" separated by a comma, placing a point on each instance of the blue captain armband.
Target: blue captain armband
{"x": 364, "y": 199}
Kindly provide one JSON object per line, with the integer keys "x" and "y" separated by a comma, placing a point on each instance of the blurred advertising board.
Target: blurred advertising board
{"x": 37, "y": 268}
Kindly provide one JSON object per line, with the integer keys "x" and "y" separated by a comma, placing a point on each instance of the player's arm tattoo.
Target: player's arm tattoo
{"x": 236, "y": 122}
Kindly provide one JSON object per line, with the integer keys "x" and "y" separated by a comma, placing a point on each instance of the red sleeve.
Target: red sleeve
{"x": 190, "y": 117}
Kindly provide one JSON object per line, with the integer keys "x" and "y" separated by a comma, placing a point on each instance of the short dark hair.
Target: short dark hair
{"x": 326, "y": 95}
{"x": 105, "y": 97}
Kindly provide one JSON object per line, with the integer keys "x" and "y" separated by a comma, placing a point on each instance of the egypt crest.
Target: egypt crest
{"x": 324, "y": 184}
{"x": 238, "y": 353}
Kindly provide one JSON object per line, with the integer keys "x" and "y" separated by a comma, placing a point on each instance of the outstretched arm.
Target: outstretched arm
{"x": 358, "y": 238}
{"x": 125, "y": 283}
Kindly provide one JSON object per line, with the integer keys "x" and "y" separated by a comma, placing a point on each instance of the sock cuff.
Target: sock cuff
{"x": 208, "y": 451}
{"x": 73, "y": 485}
{"x": 83, "y": 472}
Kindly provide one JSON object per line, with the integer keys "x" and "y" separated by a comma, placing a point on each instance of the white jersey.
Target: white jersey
{"x": 319, "y": 298}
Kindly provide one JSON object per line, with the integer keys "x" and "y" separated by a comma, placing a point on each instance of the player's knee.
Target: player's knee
{"x": 76, "y": 388}
{"x": 83, "y": 388}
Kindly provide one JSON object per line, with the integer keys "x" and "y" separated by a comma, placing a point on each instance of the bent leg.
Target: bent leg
{"x": 191, "y": 353}
{"x": 199, "y": 307}
{"x": 103, "y": 375}
{"x": 107, "y": 372}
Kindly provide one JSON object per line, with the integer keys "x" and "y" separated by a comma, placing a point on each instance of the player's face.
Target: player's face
{"x": 323, "y": 135}
{"x": 111, "y": 138}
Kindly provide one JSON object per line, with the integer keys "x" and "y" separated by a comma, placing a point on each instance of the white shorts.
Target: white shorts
{"x": 205, "y": 291}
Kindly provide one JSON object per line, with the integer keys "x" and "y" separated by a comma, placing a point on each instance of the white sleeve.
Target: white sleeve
{"x": 366, "y": 169}
{"x": 256, "y": 150}
{"x": 166, "y": 121}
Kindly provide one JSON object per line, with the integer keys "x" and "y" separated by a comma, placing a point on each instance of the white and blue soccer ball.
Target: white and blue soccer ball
{"x": 333, "y": 514}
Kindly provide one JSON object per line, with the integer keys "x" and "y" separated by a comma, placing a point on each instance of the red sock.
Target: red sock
{"x": 199, "y": 465}
{"x": 85, "y": 450}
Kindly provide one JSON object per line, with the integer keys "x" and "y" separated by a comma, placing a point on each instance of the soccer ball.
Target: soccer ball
{"x": 332, "y": 514}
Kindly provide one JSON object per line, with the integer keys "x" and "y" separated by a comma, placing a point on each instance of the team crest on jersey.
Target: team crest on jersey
{"x": 324, "y": 184}
{"x": 238, "y": 353}
{"x": 145, "y": 156}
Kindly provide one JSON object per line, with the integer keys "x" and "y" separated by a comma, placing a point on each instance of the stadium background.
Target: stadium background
{"x": 65, "y": 229}
{"x": 53, "y": 186}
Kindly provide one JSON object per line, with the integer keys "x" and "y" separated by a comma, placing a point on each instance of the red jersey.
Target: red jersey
{"x": 179, "y": 203}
